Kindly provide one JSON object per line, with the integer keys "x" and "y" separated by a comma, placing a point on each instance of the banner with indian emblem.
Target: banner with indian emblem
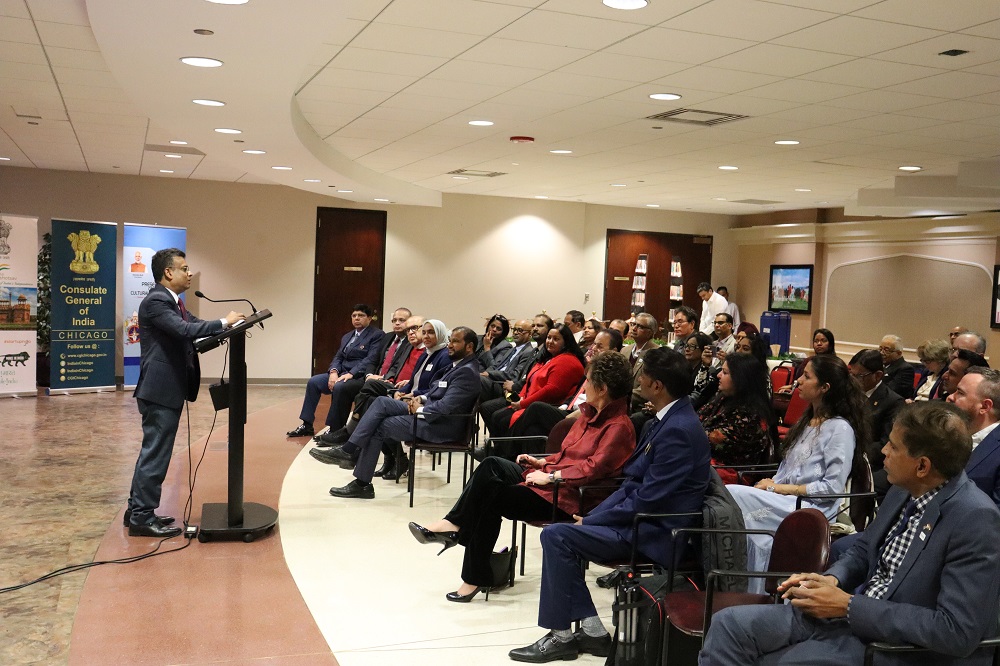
{"x": 141, "y": 242}
{"x": 84, "y": 267}
{"x": 18, "y": 304}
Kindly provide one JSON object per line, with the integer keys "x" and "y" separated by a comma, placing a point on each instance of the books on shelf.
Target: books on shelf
{"x": 675, "y": 269}
{"x": 640, "y": 265}
{"x": 639, "y": 299}
{"x": 639, "y": 282}
{"x": 676, "y": 292}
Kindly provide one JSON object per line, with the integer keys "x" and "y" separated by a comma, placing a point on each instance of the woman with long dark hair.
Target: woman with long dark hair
{"x": 823, "y": 343}
{"x": 591, "y": 328}
{"x": 698, "y": 352}
{"x": 819, "y": 453}
{"x": 738, "y": 420}
{"x": 554, "y": 377}
{"x": 493, "y": 341}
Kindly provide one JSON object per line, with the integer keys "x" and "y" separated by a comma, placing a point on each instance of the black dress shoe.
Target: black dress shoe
{"x": 163, "y": 520}
{"x": 388, "y": 466}
{"x": 479, "y": 453}
{"x": 355, "y": 490}
{"x": 399, "y": 470}
{"x": 304, "y": 430}
{"x": 463, "y": 598}
{"x": 599, "y": 646}
{"x": 334, "y": 456}
{"x": 153, "y": 529}
{"x": 545, "y": 649}
{"x": 332, "y": 438}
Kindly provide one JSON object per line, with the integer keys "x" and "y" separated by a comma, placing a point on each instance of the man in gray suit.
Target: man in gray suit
{"x": 926, "y": 572}
{"x": 168, "y": 376}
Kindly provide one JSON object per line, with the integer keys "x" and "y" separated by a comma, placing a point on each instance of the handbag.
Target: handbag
{"x": 502, "y": 565}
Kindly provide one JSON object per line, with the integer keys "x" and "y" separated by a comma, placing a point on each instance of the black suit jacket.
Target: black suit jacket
{"x": 373, "y": 365}
{"x": 899, "y": 377}
{"x": 884, "y": 404}
{"x": 516, "y": 369}
{"x": 169, "y": 372}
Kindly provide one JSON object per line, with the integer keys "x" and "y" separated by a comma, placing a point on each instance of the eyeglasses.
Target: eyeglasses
{"x": 638, "y": 325}
{"x": 692, "y": 347}
{"x": 412, "y": 328}
{"x": 518, "y": 329}
{"x": 721, "y": 323}
{"x": 862, "y": 376}
{"x": 887, "y": 350}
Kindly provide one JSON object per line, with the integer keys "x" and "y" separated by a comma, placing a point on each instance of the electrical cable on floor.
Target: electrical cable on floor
{"x": 192, "y": 478}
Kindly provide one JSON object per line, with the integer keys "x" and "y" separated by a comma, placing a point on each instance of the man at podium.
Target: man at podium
{"x": 169, "y": 375}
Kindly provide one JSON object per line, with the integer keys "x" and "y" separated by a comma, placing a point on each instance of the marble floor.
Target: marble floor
{"x": 338, "y": 581}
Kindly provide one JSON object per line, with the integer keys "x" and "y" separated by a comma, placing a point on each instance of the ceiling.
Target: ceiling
{"x": 375, "y": 96}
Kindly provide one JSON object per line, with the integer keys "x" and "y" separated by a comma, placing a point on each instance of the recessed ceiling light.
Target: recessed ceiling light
{"x": 201, "y": 62}
{"x": 617, "y": 184}
{"x": 460, "y": 178}
{"x": 652, "y": 205}
{"x": 382, "y": 200}
{"x": 786, "y": 142}
{"x": 179, "y": 143}
{"x": 255, "y": 152}
{"x": 719, "y": 199}
{"x": 4, "y": 159}
{"x": 172, "y": 156}
{"x": 481, "y": 123}
{"x": 541, "y": 196}
{"x": 204, "y": 32}
{"x": 626, "y": 4}
{"x": 345, "y": 191}
{"x": 802, "y": 189}
{"x": 229, "y": 2}
{"x": 665, "y": 96}
{"x": 208, "y": 102}
{"x": 515, "y": 164}
{"x": 313, "y": 180}
{"x": 910, "y": 168}
{"x": 282, "y": 168}
{"x": 165, "y": 171}
{"x": 729, "y": 168}
{"x": 228, "y": 130}
{"x": 561, "y": 151}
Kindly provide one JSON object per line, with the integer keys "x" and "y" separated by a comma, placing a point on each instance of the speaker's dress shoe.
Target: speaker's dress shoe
{"x": 163, "y": 520}
{"x": 355, "y": 490}
{"x": 424, "y": 535}
{"x": 545, "y": 649}
{"x": 332, "y": 437}
{"x": 463, "y": 598}
{"x": 153, "y": 529}
{"x": 334, "y": 456}
{"x": 304, "y": 430}
{"x": 599, "y": 646}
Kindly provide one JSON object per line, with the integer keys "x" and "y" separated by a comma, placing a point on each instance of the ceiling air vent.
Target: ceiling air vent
{"x": 696, "y": 117}
{"x": 178, "y": 150}
{"x": 756, "y": 202}
{"x": 476, "y": 173}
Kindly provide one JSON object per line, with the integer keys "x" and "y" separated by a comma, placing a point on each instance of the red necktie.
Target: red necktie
{"x": 388, "y": 357}
{"x": 184, "y": 312}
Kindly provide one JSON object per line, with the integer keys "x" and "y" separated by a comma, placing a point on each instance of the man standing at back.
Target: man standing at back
{"x": 169, "y": 375}
{"x": 712, "y": 304}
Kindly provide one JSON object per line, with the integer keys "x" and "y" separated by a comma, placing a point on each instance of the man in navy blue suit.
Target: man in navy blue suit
{"x": 431, "y": 414}
{"x": 978, "y": 395}
{"x": 667, "y": 473}
{"x": 169, "y": 374}
{"x": 358, "y": 350}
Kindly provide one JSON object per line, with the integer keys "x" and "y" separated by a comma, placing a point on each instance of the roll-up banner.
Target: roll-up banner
{"x": 18, "y": 304}
{"x": 140, "y": 242}
{"x": 84, "y": 264}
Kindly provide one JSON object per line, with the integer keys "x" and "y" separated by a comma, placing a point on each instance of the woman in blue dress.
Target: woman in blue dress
{"x": 818, "y": 455}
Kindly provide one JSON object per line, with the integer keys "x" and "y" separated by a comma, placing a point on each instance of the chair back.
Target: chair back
{"x": 796, "y": 408}
{"x": 862, "y": 509}
{"x": 801, "y": 543}
{"x": 556, "y": 436}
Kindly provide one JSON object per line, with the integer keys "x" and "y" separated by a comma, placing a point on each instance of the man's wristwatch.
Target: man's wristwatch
{"x": 552, "y": 477}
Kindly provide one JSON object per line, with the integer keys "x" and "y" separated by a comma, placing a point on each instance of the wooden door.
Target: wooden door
{"x": 350, "y": 269}
{"x": 624, "y": 247}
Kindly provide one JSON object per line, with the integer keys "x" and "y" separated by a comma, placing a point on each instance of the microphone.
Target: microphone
{"x": 199, "y": 294}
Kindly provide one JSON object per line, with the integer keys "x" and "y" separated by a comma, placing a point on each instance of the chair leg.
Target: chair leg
{"x": 447, "y": 477}
{"x": 524, "y": 544}
{"x": 413, "y": 472}
{"x": 466, "y": 475}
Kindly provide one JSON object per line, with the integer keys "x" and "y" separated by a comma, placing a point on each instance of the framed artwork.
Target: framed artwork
{"x": 995, "y": 310}
{"x": 791, "y": 288}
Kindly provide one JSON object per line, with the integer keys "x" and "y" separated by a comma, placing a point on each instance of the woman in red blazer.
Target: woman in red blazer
{"x": 595, "y": 448}
{"x": 554, "y": 379}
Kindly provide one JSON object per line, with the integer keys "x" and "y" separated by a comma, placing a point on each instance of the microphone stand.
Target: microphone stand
{"x": 199, "y": 294}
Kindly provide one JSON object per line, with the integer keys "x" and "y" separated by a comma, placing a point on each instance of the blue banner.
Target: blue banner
{"x": 141, "y": 243}
{"x": 84, "y": 264}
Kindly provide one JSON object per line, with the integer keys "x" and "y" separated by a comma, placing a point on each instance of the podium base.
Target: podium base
{"x": 257, "y": 519}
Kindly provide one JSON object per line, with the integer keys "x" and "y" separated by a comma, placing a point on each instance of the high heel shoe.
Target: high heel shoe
{"x": 424, "y": 535}
{"x": 465, "y": 598}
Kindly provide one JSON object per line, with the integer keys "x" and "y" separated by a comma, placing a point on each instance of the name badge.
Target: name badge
{"x": 428, "y": 367}
{"x": 923, "y": 536}
{"x": 442, "y": 384}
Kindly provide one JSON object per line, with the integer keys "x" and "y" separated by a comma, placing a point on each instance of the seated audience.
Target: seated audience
{"x": 978, "y": 396}
{"x": 497, "y": 396}
{"x": 960, "y": 363}
{"x": 591, "y": 328}
{"x": 493, "y": 347}
{"x": 509, "y": 368}
{"x": 969, "y": 340}
{"x": 823, "y": 342}
{"x": 934, "y": 355}
{"x": 397, "y": 420}
{"x": 724, "y": 338}
{"x": 698, "y": 353}
{"x": 925, "y": 573}
{"x": 595, "y": 448}
{"x": 621, "y": 326}
{"x": 667, "y": 473}
{"x": 358, "y": 349}
{"x": 556, "y": 375}
{"x": 817, "y": 455}
{"x": 753, "y": 344}
{"x": 898, "y": 371}
{"x": 738, "y": 420}
{"x": 883, "y": 404}
{"x": 643, "y": 331}
{"x": 685, "y": 324}
{"x": 574, "y": 320}
{"x": 955, "y": 332}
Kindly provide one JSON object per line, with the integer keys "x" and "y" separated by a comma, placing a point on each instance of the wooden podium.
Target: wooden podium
{"x": 235, "y": 519}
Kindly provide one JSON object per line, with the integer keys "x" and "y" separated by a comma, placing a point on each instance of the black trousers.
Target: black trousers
{"x": 488, "y": 409}
{"x": 492, "y": 494}
{"x": 538, "y": 419}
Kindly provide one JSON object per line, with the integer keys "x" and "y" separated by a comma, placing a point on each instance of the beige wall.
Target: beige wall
{"x": 461, "y": 263}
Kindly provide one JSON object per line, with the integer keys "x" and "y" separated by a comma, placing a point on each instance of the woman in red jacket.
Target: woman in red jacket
{"x": 553, "y": 379}
{"x": 595, "y": 448}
